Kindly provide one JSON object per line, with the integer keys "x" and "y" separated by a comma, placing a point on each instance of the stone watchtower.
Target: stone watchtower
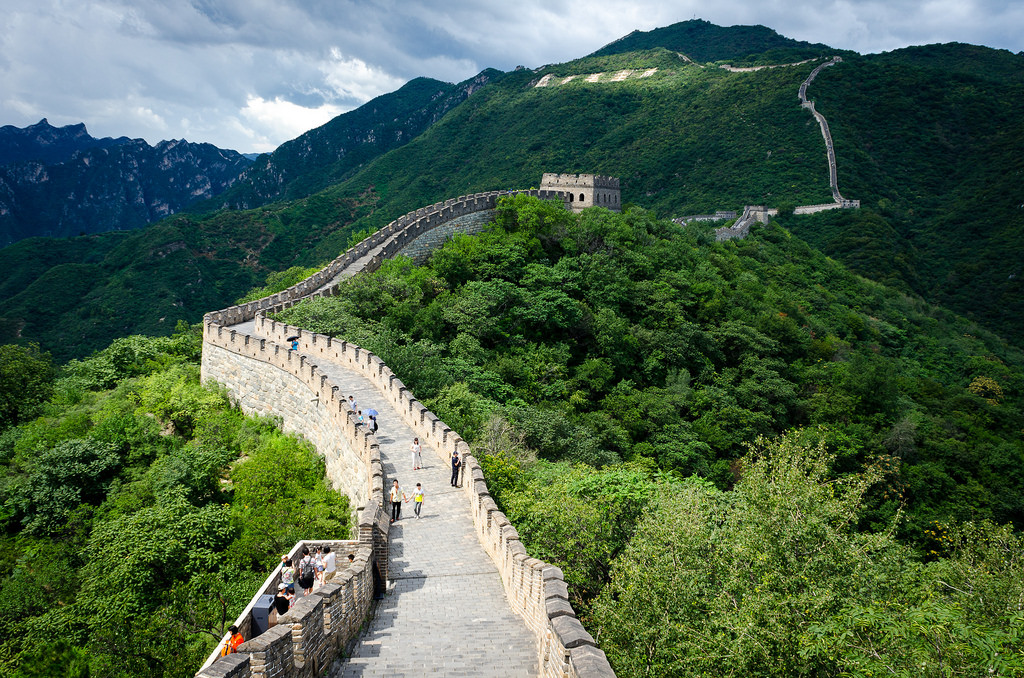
{"x": 584, "y": 190}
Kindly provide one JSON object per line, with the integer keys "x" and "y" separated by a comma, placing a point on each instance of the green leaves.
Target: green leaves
{"x": 26, "y": 382}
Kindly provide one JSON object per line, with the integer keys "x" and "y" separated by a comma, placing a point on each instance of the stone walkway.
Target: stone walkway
{"x": 445, "y": 612}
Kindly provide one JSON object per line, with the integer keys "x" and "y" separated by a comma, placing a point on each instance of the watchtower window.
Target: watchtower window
{"x": 571, "y": 196}
{"x": 581, "y": 197}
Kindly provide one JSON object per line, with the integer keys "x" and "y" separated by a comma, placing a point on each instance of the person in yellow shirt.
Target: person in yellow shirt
{"x": 417, "y": 497}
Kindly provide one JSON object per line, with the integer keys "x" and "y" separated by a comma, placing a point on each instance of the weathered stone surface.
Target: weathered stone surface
{"x": 571, "y": 633}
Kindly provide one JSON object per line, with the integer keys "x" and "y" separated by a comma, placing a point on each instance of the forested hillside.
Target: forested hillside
{"x": 790, "y": 461}
{"x": 925, "y": 138}
{"x": 138, "y": 510}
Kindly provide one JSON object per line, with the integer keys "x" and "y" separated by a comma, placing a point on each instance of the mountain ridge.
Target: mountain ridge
{"x": 665, "y": 136}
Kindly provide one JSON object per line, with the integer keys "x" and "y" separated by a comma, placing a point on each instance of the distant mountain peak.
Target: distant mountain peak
{"x": 704, "y": 41}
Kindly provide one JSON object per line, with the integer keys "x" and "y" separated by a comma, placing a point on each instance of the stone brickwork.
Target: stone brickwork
{"x": 419, "y": 250}
{"x": 585, "y": 190}
{"x": 266, "y": 389}
{"x": 305, "y": 640}
{"x": 249, "y": 354}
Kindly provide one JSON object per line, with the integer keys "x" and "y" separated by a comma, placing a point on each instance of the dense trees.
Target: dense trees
{"x": 745, "y": 458}
{"x": 140, "y": 512}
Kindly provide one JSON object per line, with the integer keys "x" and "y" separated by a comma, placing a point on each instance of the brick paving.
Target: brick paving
{"x": 445, "y": 612}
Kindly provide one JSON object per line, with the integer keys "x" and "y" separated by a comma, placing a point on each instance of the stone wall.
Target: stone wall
{"x": 537, "y": 591}
{"x": 585, "y": 190}
{"x": 305, "y": 640}
{"x": 420, "y": 248}
{"x": 263, "y": 388}
{"x": 254, "y": 366}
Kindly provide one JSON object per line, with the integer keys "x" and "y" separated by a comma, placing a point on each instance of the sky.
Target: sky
{"x": 251, "y": 74}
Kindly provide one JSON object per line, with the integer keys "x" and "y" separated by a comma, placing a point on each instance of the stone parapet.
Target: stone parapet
{"x": 263, "y": 375}
{"x": 535, "y": 590}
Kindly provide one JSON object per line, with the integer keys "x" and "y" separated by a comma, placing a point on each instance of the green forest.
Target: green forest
{"x": 746, "y": 459}
{"x": 139, "y": 510}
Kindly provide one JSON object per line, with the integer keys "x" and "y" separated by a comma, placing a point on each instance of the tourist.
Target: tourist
{"x": 396, "y": 501}
{"x": 287, "y": 572}
{"x": 281, "y": 601}
{"x": 307, "y": 571}
{"x": 456, "y": 465}
{"x": 417, "y": 457}
{"x": 352, "y": 404}
{"x": 330, "y": 564}
{"x": 417, "y": 498}
{"x": 319, "y": 565}
{"x": 231, "y": 646}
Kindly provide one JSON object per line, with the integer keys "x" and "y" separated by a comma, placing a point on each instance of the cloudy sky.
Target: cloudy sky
{"x": 251, "y": 74}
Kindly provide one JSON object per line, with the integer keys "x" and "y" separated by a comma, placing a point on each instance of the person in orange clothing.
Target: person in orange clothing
{"x": 231, "y": 646}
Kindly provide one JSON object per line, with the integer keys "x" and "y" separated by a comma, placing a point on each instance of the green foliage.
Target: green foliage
{"x": 140, "y": 513}
{"x": 704, "y": 41}
{"x": 26, "y": 382}
{"x": 604, "y": 337}
{"x": 773, "y": 578}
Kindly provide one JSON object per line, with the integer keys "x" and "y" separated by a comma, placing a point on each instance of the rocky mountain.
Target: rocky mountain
{"x": 60, "y": 182}
{"x": 42, "y": 142}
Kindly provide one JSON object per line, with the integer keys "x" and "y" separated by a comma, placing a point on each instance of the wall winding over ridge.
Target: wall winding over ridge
{"x": 535, "y": 590}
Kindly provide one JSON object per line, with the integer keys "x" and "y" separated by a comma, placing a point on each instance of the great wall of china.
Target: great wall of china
{"x": 249, "y": 354}
{"x": 758, "y": 213}
{"x": 334, "y": 629}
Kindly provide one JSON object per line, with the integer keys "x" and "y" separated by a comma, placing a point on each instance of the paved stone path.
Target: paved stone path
{"x": 445, "y": 612}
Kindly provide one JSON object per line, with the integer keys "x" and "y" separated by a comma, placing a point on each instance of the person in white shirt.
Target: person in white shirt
{"x": 417, "y": 457}
{"x": 330, "y": 564}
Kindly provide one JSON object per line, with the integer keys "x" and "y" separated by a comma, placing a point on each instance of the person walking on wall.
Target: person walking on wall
{"x": 307, "y": 571}
{"x": 397, "y": 496}
{"x": 417, "y": 498}
{"x": 417, "y": 457}
{"x": 330, "y": 564}
{"x": 456, "y": 465}
{"x": 287, "y": 572}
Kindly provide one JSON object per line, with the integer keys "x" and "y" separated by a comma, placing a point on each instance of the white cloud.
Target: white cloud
{"x": 277, "y": 118}
{"x": 351, "y": 78}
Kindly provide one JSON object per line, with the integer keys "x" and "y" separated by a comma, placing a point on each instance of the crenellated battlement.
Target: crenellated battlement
{"x": 584, "y": 190}
{"x": 249, "y": 353}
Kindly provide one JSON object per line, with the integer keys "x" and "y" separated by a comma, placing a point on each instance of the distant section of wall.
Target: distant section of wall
{"x": 420, "y": 248}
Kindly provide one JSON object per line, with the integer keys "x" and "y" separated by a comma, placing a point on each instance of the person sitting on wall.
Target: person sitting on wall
{"x": 236, "y": 639}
